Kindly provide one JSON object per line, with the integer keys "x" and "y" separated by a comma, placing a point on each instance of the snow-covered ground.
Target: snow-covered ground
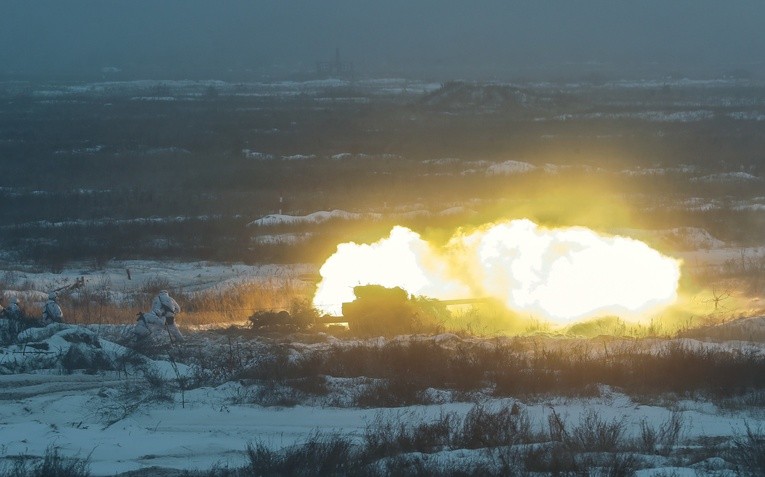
{"x": 211, "y": 430}
{"x": 325, "y": 216}
{"x": 130, "y": 275}
{"x": 112, "y": 417}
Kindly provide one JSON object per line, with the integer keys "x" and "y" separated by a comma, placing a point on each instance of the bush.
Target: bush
{"x": 748, "y": 452}
{"x": 663, "y": 439}
{"x": 154, "y": 285}
{"x": 10, "y": 329}
{"x": 319, "y": 455}
{"x": 555, "y": 459}
{"x": 594, "y": 434}
{"x": 384, "y": 438}
{"x": 394, "y": 392}
{"x": 481, "y": 428}
{"x": 404, "y": 370}
{"x": 53, "y": 464}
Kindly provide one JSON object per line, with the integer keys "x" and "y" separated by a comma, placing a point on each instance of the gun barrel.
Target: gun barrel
{"x": 465, "y": 301}
{"x": 328, "y": 320}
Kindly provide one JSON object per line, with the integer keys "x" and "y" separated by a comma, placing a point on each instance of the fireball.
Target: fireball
{"x": 558, "y": 274}
{"x": 403, "y": 259}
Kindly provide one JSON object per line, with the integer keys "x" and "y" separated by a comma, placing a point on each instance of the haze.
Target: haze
{"x": 428, "y": 39}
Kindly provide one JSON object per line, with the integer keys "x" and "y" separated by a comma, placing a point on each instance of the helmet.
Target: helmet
{"x": 163, "y": 292}
{"x": 52, "y": 295}
{"x": 14, "y": 300}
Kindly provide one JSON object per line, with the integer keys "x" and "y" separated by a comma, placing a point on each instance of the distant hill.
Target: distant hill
{"x": 490, "y": 97}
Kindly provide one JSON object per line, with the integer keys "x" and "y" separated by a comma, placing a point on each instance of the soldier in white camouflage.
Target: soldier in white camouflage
{"x": 163, "y": 311}
{"x": 52, "y": 312}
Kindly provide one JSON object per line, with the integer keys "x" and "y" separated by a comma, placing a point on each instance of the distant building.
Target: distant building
{"x": 334, "y": 69}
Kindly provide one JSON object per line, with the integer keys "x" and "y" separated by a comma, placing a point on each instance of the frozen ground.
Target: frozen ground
{"x": 124, "y": 424}
{"x": 210, "y": 430}
{"x": 189, "y": 276}
{"x": 125, "y": 277}
{"x": 113, "y": 417}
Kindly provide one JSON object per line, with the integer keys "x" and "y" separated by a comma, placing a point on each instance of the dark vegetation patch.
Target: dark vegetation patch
{"x": 404, "y": 373}
{"x": 170, "y": 179}
{"x": 491, "y": 442}
{"x": 89, "y": 359}
{"x": 52, "y": 464}
{"x": 748, "y": 452}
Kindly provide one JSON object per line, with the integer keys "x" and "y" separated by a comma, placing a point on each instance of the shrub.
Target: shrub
{"x": 132, "y": 395}
{"x": 398, "y": 391}
{"x": 156, "y": 284}
{"x": 748, "y": 452}
{"x": 663, "y": 439}
{"x": 616, "y": 464}
{"x": 310, "y": 385}
{"x": 388, "y": 437}
{"x": 595, "y": 434}
{"x": 235, "y": 304}
{"x": 319, "y": 455}
{"x": 481, "y": 427}
{"x": 555, "y": 459}
{"x": 10, "y": 329}
{"x": 53, "y": 464}
{"x": 405, "y": 369}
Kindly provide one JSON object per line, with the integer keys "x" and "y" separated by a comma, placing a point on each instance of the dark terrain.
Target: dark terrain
{"x": 179, "y": 169}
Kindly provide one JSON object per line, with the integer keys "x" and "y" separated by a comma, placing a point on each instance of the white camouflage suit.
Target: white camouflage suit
{"x": 13, "y": 310}
{"x": 163, "y": 311}
{"x": 52, "y": 311}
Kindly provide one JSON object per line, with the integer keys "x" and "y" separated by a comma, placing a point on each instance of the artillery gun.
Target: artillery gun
{"x": 79, "y": 282}
{"x": 388, "y": 311}
{"x": 377, "y": 310}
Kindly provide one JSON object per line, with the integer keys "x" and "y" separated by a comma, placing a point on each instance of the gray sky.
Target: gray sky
{"x": 432, "y": 39}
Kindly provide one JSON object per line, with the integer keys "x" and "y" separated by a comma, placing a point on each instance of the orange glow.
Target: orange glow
{"x": 559, "y": 274}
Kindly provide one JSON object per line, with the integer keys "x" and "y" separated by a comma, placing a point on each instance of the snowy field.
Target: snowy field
{"x": 132, "y": 274}
{"x": 210, "y": 430}
{"x": 158, "y": 408}
{"x": 547, "y": 402}
{"x": 145, "y": 413}
{"x": 119, "y": 282}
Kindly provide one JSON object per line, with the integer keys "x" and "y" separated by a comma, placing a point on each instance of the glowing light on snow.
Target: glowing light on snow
{"x": 561, "y": 274}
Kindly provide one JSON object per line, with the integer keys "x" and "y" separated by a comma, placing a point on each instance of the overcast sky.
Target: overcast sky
{"x": 433, "y": 39}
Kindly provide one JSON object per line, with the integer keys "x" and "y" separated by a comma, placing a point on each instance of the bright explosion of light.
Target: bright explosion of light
{"x": 560, "y": 274}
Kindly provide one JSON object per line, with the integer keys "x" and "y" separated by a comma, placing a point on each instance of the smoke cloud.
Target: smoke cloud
{"x": 559, "y": 274}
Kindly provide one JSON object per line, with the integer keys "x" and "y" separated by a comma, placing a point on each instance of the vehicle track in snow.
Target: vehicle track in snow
{"x": 21, "y": 386}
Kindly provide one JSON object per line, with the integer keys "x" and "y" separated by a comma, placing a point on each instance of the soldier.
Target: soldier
{"x": 13, "y": 312}
{"x": 16, "y": 321}
{"x": 52, "y": 311}
{"x": 163, "y": 311}
{"x": 145, "y": 323}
